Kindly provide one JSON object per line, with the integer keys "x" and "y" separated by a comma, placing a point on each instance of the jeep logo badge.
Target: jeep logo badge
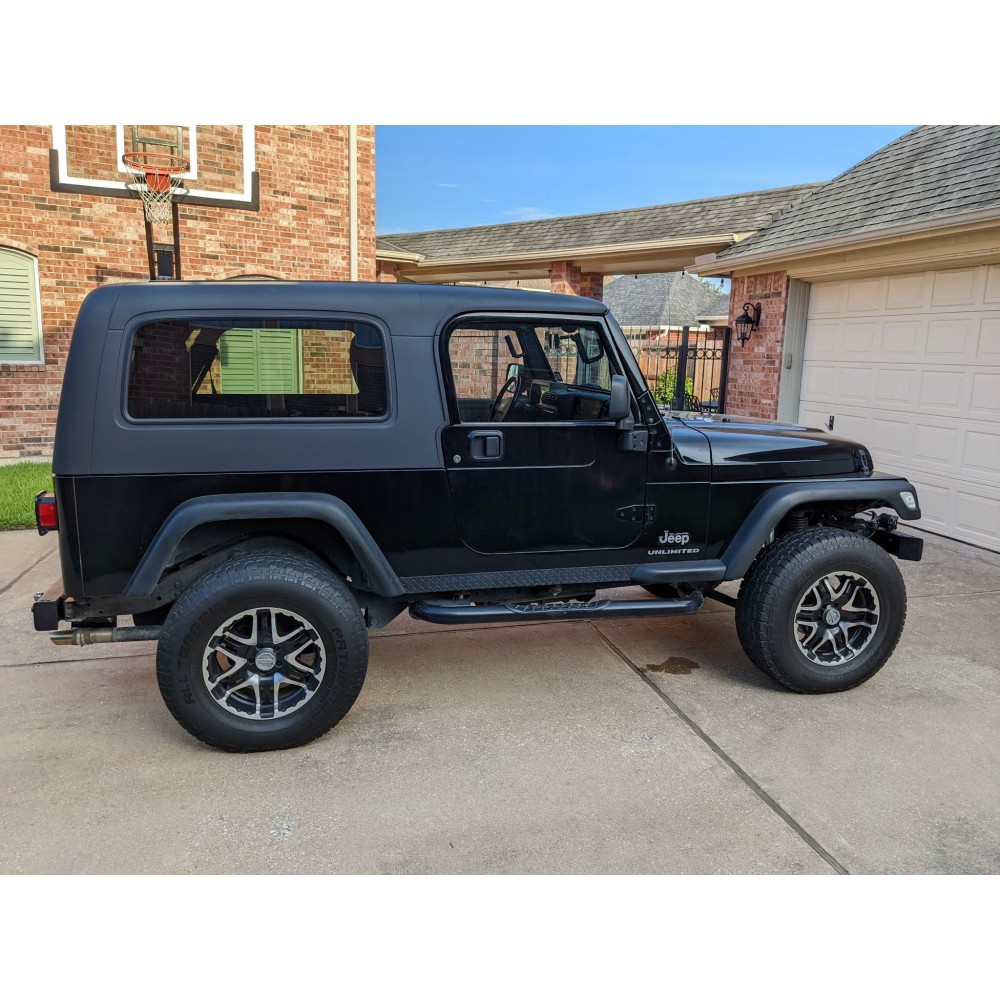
{"x": 675, "y": 538}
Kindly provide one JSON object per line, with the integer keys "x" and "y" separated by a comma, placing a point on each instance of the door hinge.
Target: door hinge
{"x": 633, "y": 440}
{"x": 643, "y": 513}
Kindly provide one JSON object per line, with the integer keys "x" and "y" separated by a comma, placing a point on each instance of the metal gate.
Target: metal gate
{"x": 686, "y": 368}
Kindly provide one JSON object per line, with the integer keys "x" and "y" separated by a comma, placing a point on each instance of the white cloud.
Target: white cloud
{"x": 444, "y": 185}
{"x": 527, "y": 214}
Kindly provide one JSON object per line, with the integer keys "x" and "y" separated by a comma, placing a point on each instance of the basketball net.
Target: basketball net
{"x": 155, "y": 179}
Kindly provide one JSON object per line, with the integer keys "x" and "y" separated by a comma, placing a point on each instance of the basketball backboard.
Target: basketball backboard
{"x": 87, "y": 159}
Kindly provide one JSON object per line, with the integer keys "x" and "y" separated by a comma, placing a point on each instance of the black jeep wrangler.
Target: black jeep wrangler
{"x": 259, "y": 472}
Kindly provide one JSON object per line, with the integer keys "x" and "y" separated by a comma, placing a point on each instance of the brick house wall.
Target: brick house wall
{"x": 755, "y": 368}
{"x": 80, "y": 241}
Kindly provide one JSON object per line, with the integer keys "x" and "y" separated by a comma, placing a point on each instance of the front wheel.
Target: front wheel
{"x": 822, "y": 611}
{"x": 264, "y": 652}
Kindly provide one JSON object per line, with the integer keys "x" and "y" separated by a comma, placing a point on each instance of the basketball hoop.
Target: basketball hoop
{"x": 156, "y": 178}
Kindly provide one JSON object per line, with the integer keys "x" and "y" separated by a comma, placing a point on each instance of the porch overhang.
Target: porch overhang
{"x": 650, "y": 257}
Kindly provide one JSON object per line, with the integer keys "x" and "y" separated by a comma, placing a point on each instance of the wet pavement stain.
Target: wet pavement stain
{"x": 672, "y": 665}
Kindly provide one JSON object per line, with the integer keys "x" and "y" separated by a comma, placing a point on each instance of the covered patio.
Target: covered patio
{"x": 575, "y": 253}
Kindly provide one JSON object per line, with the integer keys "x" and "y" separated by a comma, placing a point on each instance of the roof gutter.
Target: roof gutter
{"x": 712, "y": 264}
{"x": 398, "y": 256}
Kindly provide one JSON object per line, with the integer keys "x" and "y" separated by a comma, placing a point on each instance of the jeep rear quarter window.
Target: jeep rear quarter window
{"x": 256, "y": 368}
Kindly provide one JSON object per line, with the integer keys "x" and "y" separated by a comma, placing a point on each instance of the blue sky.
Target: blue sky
{"x": 443, "y": 176}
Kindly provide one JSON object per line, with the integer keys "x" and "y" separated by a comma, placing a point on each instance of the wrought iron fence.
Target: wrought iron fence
{"x": 685, "y": 368}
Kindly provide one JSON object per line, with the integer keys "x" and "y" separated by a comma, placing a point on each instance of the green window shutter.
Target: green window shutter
{"x": 278, "y": 367}
{"x": 20, "y": 337}
{"x": 253, "y": 362}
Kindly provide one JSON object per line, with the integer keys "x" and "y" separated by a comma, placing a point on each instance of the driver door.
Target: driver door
{"x": 533, "y": 461}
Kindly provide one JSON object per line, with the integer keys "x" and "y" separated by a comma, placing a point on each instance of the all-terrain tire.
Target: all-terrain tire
{"x": 301, "y": 638}
{"x": 822, "y": 610}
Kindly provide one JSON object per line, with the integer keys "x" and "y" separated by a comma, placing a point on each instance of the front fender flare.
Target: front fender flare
{"x": 777, "y": 502}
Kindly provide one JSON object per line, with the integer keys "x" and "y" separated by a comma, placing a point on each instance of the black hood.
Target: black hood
{"x": 747, "y": 448}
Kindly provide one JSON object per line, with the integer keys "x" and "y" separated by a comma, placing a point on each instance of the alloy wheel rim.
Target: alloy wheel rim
{"x": 836, "y": 618}
{"x": 264, "y": 663}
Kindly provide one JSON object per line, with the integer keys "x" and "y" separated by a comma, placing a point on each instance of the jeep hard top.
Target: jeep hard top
{"x": 258, "y": 473}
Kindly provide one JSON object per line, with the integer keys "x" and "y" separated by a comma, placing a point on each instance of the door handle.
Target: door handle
{"x": 486, "y": 446}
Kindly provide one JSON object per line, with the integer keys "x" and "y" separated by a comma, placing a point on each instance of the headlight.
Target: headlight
{"x": 909, "y": 499}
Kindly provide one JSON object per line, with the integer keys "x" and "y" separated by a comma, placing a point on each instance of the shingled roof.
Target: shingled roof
{"x": 930, "y": 173}
{"x": 673, "y": 299}
{"x": 731, "y": 214}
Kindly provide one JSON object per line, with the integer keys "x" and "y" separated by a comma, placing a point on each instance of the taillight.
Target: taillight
{"x": 46, "y": 515}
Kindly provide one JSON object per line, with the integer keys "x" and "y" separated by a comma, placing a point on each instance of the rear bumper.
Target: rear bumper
{"x": 49, "y": 608}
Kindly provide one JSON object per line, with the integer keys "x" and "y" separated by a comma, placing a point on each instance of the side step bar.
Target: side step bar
{"x": 450, "y": 613}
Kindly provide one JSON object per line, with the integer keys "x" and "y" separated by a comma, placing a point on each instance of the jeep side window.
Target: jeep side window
{"x": 529, "y": 371}
{"x": 256, "y": 368}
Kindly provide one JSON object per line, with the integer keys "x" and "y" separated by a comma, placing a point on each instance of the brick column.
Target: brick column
{"x": 592, "y": 285}
{"x": 386, "y": 271}
{"x": 755, "y": 368}
{"x": 567, "y": 279}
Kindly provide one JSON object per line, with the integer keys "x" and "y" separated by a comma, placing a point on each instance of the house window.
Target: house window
{"x": 20, "y": 322}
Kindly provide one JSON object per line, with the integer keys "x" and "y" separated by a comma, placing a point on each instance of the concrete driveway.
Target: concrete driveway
{"x": 627, "y": 747}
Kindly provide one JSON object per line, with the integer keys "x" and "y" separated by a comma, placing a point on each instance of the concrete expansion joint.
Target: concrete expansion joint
{"x": 756, "y": 788}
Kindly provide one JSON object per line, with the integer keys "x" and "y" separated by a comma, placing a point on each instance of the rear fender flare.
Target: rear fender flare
{"x": 263, "y": 506}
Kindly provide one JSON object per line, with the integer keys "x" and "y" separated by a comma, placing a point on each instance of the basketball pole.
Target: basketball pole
{"x": 149, "y": 248}
{"x": 177, "y": 239}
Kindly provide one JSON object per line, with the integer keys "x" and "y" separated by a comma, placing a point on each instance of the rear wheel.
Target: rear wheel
{"x": 264, "y": 652}
{"x": 822, "y": 611}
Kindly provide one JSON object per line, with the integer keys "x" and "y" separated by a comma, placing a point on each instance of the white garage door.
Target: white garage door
{"x": 909, "y": 365}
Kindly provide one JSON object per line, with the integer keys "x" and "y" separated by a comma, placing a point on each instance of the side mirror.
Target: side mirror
{"x": 514, "y": 370}
{"x": 619, "y": 406}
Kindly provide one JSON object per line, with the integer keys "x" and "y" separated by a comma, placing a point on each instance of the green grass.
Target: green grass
{"x": 18, "y": 485}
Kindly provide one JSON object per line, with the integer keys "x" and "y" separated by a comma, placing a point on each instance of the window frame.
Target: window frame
{"x": 299, "y": 318}
{"x": 36, "y": 290}
{"x": 536, "y": 319}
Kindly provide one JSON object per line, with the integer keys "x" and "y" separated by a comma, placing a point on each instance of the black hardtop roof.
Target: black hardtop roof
{"x": 127, "y": 300}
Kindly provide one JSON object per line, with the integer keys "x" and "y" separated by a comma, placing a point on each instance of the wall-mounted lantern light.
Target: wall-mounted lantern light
{"x": 747, "y": 322}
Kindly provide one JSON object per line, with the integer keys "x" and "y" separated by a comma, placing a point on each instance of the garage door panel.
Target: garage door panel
{"x": 943, "y": 392}
{"x": 828, "y": 297}
{"x": 979, "y": 517}
{"x": 910, "y": 365}
{"x": 866, "y": 296}
{"x": 955, "y": 288}
{"x": 971, "y": 515}
{"x": 897, "y": 387}
{"x": 992, "y": 284}
{"x": 935, "y": 447}
{"x": 854, "y": 383}
{"x": 907, "y": 291}
{"x": 986, "y": 395}
{"x": 859, "y": 340}
{"x": 951, "y": 340}
{"x": 988, "y": 351}
{"x": 982, "y": 455}
{"x": 821, "y": 382}
{"x": 902, "y": 337}
{"x": 826, "y": 341}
